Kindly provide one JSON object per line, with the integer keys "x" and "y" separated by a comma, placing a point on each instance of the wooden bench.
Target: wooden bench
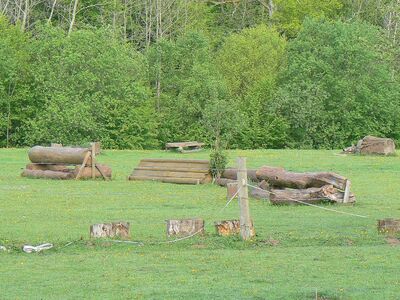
{"x": 186, "y": 171}
{"x": 185, "y": 147}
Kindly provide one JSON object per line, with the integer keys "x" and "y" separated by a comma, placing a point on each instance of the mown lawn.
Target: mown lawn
{"x": 339, "y": 256}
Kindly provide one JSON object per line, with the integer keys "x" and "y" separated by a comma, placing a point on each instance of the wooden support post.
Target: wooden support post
{"x": 93, "y": 160}
{"x": 245, "y": 222}
{"x": 346, "y": 196}
{"x": 83, "y": 165}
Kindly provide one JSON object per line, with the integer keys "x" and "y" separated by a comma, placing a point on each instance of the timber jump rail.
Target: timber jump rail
{"x": 185, "y": 171}
{"x": 65, "y": 163}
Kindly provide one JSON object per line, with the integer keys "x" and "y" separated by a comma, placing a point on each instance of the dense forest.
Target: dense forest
{"x": 249, "y": 73}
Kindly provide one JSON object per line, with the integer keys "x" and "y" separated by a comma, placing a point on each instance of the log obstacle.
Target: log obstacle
{"x": 185, "y": 227}
{"x": 115, "y": 229}
{"x": 230, "y": 227}
{"x": 65, "y": 163}
{"x": 284, "y": 187}
{"x": 371, "y": 145}
{"x": 185, "y": 171}
{"x": 389, "y": 226}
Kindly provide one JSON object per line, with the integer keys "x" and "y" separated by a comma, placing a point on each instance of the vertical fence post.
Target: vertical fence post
{"x": 93, "y": 160}
{"x": 246, "y": 230}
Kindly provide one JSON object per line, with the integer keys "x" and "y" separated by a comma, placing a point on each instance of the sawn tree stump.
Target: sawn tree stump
{"x": 389, "y": 226}
{"x": 230, "y": 227}
{"x": 185, "y": 227}
{"x": 115, "y": 229}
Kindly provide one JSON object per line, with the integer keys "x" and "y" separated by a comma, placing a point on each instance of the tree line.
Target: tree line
{"x": 135, "y": 74}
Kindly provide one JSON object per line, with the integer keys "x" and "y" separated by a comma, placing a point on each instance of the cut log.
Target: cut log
{"x": 375, "y": 145}
{"x": 51, "y": 167}
{"x": 389, "y": 226}
{"x": 224, "y": 181}
{"x": 260, "y": 194}
{"x": 326, "y": 193}
{"x": 185, "y": 227}
{"x": 231, "y": 173}
{"x": 280, "y": 178}
{"x": 55, "y": 145}
{"x": 87, "y": 171}
{"x": 57, "y": 155}
{"x": 115, "y": 229}
{"x": 47, "y": 174}
{"x": 230, "y": 227}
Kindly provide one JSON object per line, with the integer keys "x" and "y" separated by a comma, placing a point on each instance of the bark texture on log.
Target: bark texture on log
{"x": 231, "y": 173}
{"x": 224, "y": 181}
{"x": 230, "y": 227}
{"x": 375, "y": 145}
{"x": 389, "y": 226}
{"x": 185, "y": 227}
{"x": 260, "y": 194}
{"x": 87, "y": 171}
{"x": 115, "y": 229}
{"x": 47, "y": 174}
{"x": 43, "y": 167}
{"x": 372, "y": 145}
{"x": 311, "y": 195}
{"x": 278, "y": 177}
{"x": 57, "y": 155}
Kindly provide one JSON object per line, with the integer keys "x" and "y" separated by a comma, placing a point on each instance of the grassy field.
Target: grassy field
{"x": 340, "y": 256}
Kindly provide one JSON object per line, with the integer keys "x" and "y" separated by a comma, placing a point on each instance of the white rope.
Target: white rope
{"x": 316, "y": 206}
{"x": 30, "y": 249}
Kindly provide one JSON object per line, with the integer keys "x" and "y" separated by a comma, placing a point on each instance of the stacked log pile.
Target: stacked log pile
{"x": 63, "y": 163}
{"x": 284, "y": 187}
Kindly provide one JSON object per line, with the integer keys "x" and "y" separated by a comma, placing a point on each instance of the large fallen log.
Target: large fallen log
{"x": 47, "y": 174}
{"x": 231, "y": 173}
{"x": 43, "y": 167}
{"x": 58, "y": 155}
{"x": 375, "y": 145}
{"x": 327, "y": 193}
{"x": 279, "y": 177}
{"x": 224, "y": 181}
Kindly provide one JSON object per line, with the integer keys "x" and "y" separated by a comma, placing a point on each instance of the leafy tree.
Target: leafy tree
{"x": 250, "y": 62}
{"x": 91, "y": 87}
{"x": 290, "y": 14}
{"x": 339, "y": 85}
{"x": 15, "y": 95}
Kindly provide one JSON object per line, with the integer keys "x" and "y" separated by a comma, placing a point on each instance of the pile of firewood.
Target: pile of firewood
{"x": 284, "y": 187}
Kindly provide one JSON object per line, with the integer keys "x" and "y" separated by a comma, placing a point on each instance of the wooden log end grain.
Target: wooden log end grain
{"x": 389, "y": 226}
{"x": 185, "y": 227}
{"x": 230, "y": 227}
{"x": 114, "y": 229}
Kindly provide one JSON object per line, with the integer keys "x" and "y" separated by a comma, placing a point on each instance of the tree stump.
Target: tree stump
{"x": 115, "y": 229}
{"x": 55, "y": 145}
{"x": 389, "y": 226}
{"x": 230, "y": 227}
{"x": 185, "y": 227}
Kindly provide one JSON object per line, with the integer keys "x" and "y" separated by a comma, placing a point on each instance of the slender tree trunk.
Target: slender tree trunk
{"x": 25, "y": 15}
{"x": 71, "y": 25}
{"x": 52, "y": 11}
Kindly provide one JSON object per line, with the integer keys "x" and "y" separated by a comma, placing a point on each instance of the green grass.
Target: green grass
{"x": 343, "y": 257}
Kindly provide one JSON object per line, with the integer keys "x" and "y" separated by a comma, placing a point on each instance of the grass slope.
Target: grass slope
{"x": 342, "y": 257}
